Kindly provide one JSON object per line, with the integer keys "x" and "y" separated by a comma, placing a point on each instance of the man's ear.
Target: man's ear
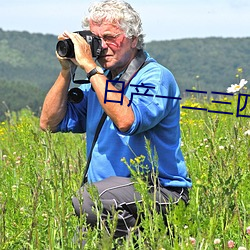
{"x": 134, "y": 42}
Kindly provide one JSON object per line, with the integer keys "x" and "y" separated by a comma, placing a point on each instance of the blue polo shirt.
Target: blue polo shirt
{"x": 156, "y": 107}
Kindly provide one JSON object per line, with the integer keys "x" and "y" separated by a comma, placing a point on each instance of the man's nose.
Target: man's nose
{"x": 104, "y": 44}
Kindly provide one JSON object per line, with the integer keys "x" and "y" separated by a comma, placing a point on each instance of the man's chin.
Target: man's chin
{"x": 105, "y": 64}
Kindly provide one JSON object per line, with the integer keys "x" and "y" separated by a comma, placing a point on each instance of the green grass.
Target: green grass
{"x": 40, "y": 172}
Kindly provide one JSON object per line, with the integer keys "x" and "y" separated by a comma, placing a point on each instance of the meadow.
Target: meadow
{"x": 40, "y": 172}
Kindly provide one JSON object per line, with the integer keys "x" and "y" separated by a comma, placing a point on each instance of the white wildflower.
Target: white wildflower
{"x": 248, "y": 230}
{"x": 45, "y": 216}
{"x": 247, "y": 133}
{"x": 217, "y": 241}
{"x": 237, "y": 87}
{"x": 242, "y": 248}
{"x": 192, "y": 240}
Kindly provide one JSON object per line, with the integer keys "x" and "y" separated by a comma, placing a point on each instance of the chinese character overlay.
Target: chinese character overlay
{"x": 143, "y": 90}
{"x": 221, "y": 102}
{"x": 195, "y": 91}
{"x": 214, "y": 101}
{"x": 121, "y": 92}
{"x": 143, "y": 86}
{"x": 244, "y": 101}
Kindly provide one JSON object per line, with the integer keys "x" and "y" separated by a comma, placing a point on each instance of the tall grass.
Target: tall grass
{"x": 40, "y": 172}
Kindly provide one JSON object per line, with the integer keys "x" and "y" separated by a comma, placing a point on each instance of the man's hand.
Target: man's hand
{"x": 83, "y": 54}
{"x": 66, "y": 63}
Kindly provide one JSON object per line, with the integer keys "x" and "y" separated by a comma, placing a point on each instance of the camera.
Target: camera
{"x": 65, "y": 48}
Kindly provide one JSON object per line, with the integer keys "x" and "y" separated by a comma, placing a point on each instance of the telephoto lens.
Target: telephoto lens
{"x": 65, "y": 48}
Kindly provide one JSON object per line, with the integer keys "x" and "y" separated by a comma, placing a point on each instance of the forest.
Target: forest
{"x": 28, "y": 65}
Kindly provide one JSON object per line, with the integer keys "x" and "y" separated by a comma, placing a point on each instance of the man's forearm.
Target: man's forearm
{"x": 121, "y": 115}
{"x": 55, "y": 103}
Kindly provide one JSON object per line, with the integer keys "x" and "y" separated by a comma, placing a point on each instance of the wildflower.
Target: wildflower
{"x": 192, "y": 240}
{"x": 216, "y": 241}
{"x": 132, "y": 162}
{"x": 242, "y": 248}
{"x": 248, "y": 230}
{"x": 221, "y": 147}
{"x": 138, "y": 160}
{"x": 247, "y": 133}
{"x": 198, "y": 182}
{"x": 237, "y": 87}
{"x": 230, "y": 244}
{"x": 240, "y": 70}
{"x": 45, "y": 216}
{"x": 14, "y": 188}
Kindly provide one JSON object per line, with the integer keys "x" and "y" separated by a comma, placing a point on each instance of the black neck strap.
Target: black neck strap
{"x": 126, "y": 77}
{"x": 136, "y": 64}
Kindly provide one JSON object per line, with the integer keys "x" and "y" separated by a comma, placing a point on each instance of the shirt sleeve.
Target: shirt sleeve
{"x": 75, "y": 117}
{"x": 152, "y": 104}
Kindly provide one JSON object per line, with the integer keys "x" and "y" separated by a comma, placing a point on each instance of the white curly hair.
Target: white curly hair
{"x": 119, "y": 12}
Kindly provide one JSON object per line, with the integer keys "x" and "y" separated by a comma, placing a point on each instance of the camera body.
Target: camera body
{"x": 65, "y": 48}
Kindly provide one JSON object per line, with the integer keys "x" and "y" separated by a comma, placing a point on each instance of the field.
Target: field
{"x": 40, "y": 172}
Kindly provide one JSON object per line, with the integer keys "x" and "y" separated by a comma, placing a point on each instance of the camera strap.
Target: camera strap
{"x": 136, "y": 64}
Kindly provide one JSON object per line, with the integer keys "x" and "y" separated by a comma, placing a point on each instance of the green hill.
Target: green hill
{"x": 28, "y": 65}
{"x": 210, "y": 64}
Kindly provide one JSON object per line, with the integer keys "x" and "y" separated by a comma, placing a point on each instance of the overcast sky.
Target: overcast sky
{"x": 162, "y": 19}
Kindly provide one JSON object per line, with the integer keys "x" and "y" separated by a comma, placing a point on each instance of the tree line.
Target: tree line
{"x": 28, "y": 65}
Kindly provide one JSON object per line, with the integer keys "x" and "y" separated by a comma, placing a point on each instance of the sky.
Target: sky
{"x": 161, "y": 19}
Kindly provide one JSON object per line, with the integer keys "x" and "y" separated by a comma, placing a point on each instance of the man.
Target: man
{"x": 132, "y": 117}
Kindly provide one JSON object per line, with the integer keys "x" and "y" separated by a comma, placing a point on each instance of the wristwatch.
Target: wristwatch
{"x": 96, "y": 70}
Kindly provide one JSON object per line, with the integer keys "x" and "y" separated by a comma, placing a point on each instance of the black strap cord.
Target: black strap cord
{"x": 97, "y": 132}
